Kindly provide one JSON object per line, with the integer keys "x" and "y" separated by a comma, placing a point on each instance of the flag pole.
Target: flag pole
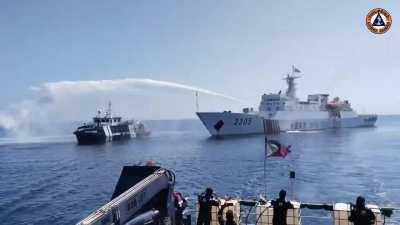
{"x": 265, "y": 176}
{"x": 292, "y": 177}
{"x": 197, "y": 101}
{"x": 265, "y": 161}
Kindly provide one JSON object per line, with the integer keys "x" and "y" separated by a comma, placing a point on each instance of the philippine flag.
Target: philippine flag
{"x": 275, "y": 149}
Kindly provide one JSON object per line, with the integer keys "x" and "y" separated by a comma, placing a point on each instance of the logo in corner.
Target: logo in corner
{"x": 378, "y": 21}
{"x": 219, "y": 125}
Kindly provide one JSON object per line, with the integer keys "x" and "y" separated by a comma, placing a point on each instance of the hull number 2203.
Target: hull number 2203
{"x": 242, "y": 121}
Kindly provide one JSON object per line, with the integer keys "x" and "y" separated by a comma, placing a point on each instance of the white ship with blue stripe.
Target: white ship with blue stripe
{"x": 283, "y": 112}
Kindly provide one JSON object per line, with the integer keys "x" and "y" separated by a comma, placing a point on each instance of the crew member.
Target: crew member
{"x": 180, "y": 205}
{"x": 221, "y": 220}
{"x": 230, "y": 220}
{"x": 206, "y": 201}
{"x": 360, "y": 215}
{"x": 280, "y": 209}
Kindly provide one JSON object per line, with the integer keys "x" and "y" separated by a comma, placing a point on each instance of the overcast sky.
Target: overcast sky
{"x": 239, "y": 48}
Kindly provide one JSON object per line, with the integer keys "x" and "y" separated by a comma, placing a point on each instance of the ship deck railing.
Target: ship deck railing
{"x": 249, "y": 212}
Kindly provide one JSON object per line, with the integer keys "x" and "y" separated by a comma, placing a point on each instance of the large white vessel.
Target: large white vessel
{"x": 285, "y": 112}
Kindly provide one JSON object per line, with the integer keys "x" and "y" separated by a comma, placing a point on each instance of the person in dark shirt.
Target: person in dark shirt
{"x": 360, "y": 215}
{"x": 280, "y": 209}
{"x": 206, "y": 201}
{"x": 228, "y": 215}
{"x": 230, "y": 220}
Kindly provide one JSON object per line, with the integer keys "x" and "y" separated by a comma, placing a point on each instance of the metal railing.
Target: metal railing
{"x": 324, "y": 214}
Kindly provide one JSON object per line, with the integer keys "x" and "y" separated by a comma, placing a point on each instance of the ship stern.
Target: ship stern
{"x": 368, "y": 120}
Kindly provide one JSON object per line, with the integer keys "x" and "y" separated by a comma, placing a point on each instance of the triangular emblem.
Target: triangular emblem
{"x": 378, "y": 21}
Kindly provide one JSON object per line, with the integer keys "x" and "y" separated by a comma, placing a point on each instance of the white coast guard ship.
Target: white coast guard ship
{"x": 285, "y": 112}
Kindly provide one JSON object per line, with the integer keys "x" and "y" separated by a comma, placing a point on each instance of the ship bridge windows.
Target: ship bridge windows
{"x": 273, "y": 104}
{"x": 98, "y": 120}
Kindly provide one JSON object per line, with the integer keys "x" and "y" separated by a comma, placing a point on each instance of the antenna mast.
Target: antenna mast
{"x": 291, "y": 90}
{"x": 197, "y": 101}
{"x": 109, "y": 109}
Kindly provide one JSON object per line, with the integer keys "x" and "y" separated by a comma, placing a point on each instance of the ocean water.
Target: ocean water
{"x": 50, "y": 180}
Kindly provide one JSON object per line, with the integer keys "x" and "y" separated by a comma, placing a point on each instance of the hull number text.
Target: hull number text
{"x": 242, "y": 122}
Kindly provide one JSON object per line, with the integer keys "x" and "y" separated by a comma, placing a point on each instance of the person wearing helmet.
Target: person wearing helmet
{"x": 280, "y": 209}
{"x": 361, "y": 215}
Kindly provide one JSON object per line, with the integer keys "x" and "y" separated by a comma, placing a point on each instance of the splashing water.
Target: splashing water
{"x": 75, "y": 100}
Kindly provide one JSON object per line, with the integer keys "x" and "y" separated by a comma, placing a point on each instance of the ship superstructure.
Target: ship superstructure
{"x": 108, "y": 128}
{"x": 285, "y": 112}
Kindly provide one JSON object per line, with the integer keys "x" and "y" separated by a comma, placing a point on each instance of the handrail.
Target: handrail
{"x": 386, "y": 212}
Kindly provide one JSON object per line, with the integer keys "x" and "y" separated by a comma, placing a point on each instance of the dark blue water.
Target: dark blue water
{"x": 53, "y": 181}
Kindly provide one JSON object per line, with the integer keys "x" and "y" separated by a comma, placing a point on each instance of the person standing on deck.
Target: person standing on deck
{"x": 230, "y": 219}
{"x": 361, "y": 215}
{"x": 280, "y": 209}
{"x": 206, "y": 202}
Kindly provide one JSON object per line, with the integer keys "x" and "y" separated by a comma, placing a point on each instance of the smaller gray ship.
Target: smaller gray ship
{"x": 105, "y": 128}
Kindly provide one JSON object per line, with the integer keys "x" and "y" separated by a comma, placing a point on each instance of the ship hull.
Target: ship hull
{"x": 100, "y": 135}
{"x": 90, "y": 138}
{"x": 227, "y": 123}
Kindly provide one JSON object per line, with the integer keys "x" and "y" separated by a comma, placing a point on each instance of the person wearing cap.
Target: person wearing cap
{"x": 280, "y": 209}
{"x": 361, "y": 215}
{"x": 206, "y": 201}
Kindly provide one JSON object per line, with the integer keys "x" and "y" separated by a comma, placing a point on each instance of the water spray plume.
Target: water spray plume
{"x": 52, "y": 89}
{"x": 53, "y": 100}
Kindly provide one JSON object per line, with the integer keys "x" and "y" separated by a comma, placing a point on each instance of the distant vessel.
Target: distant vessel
{"x": 285, "y": 112}
{"x": 108, "y": 128}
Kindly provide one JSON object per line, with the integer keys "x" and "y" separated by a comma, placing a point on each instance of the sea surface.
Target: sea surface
{"x": 50, "y": 180}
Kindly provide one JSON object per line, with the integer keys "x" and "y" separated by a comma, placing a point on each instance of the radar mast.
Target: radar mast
{"x": 109, "y": 109}
{"x": 291, "y": 90}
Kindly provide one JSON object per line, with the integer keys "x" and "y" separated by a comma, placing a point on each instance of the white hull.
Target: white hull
{"x": 232, "y": 123}
{"x": 227, "y": 123}
{"x": 285, "y": 112}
